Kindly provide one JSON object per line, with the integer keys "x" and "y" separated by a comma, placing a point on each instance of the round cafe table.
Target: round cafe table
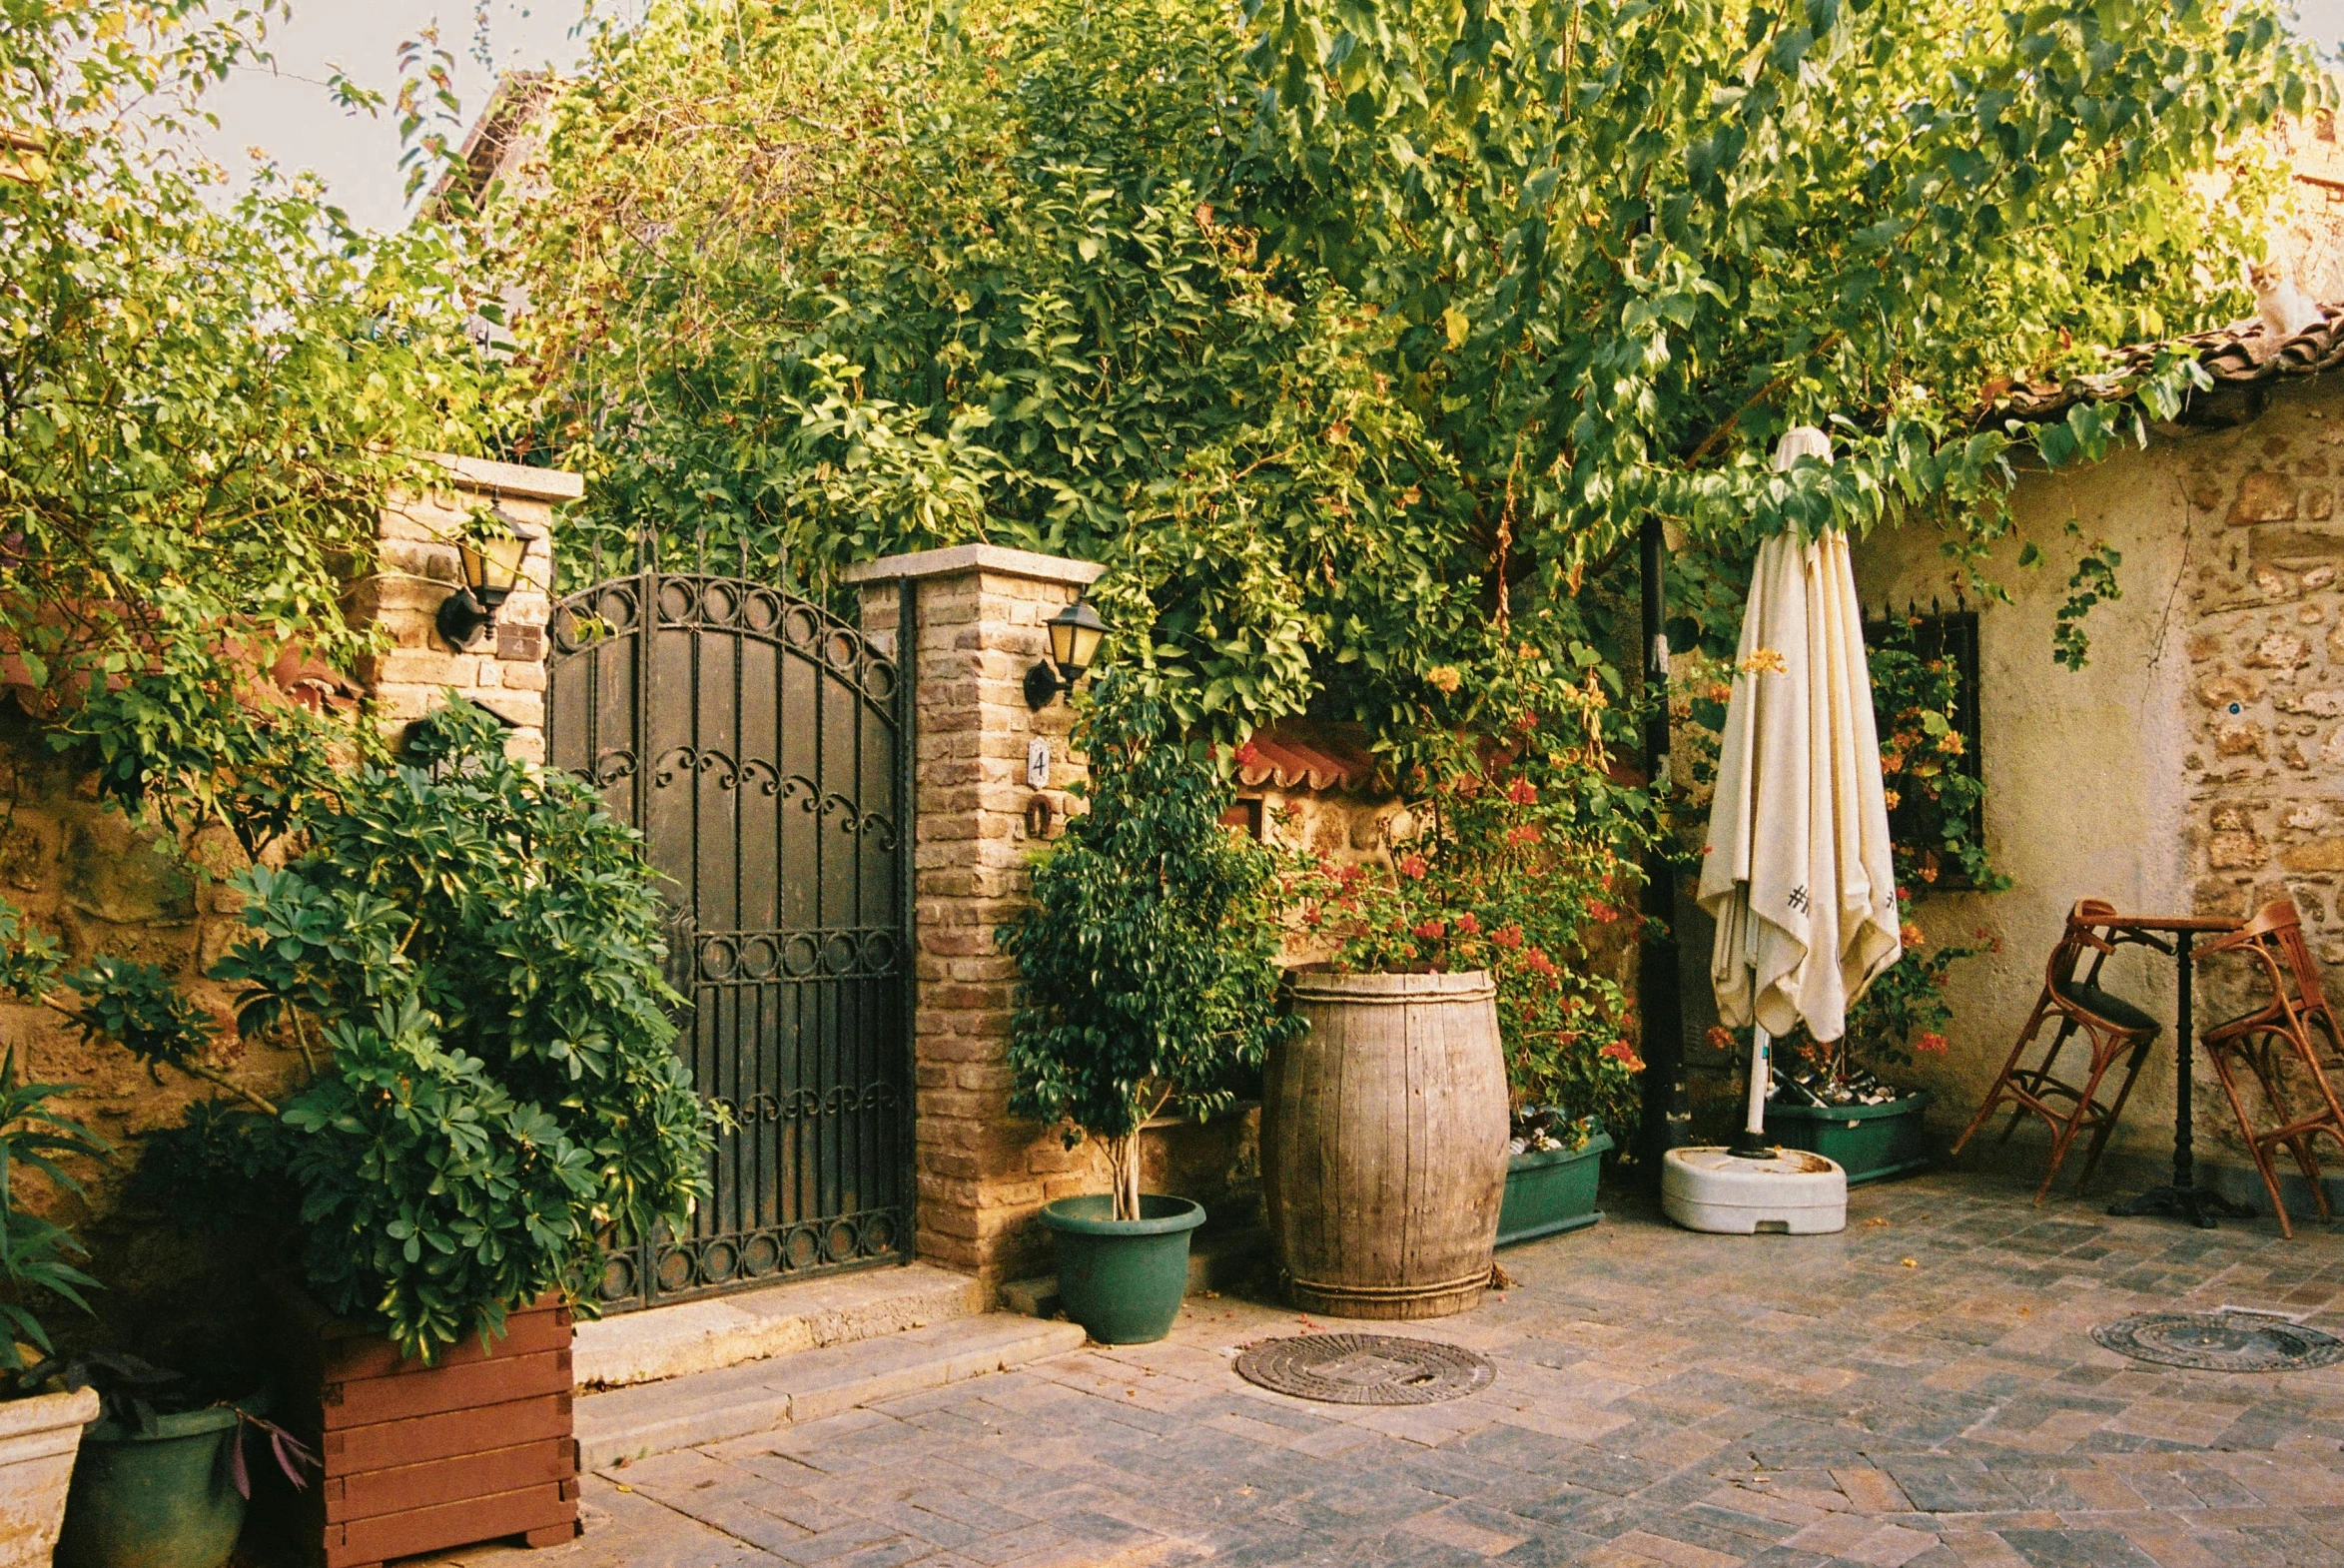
{"x": 2181, "y": 1198}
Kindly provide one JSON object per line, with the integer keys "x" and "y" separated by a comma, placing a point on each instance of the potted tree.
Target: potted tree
{"x": 40, "y": 1425}
{"x": 1148, "y": 967}
{"x": 467, "y": 953}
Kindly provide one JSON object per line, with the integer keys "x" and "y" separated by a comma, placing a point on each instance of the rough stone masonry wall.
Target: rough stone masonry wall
{"x": 101, "y": 884}
{"x": 2196, "y": 763}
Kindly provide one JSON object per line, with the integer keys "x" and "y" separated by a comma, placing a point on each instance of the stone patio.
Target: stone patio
{"x": 1919, "y": 1391}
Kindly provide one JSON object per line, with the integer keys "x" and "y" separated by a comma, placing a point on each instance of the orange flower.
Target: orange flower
{"x": 1602, "y": 911}
{"x": 1467, "y": 925}
{"x": 1522, "y": 792}
{"x": 1621, "y": 1051}
{"x": 1413, "y": 866}
{"x": 1431, "y": 930}
{"x": 1910, "y": 935}
{"x": 1507, "y": 936}
{"x": 1930, "y": 1041}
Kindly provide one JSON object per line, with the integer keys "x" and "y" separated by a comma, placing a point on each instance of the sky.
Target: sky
{"x": 290, "y": 114}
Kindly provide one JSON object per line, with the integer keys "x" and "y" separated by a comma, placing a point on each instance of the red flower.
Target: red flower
{"x": 1413, "y": 866}
{"x": 1468, "y": 925}
{"x": 1527, "y": 833}
{"x": 1507, "y": 936}
{"x": 1929, "y": 1040}
{"x": 1352, "y": 874}
{"x": 1248, "y": 755}
{"x": 1602, "y": 911}
{"x": 1527, "y": 722}
{"x": 1538, "y": 961}
{"x": 1620, "y": 1050}
{"x": 1522, "y": 792}
{"x": 1431, "y": 930}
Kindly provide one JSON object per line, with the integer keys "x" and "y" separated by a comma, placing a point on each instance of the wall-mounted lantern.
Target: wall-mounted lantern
{"x": 491, "y": 570}
{"x": 1075, "y": 635}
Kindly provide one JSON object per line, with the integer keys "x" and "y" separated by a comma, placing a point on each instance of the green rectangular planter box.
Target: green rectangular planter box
{"x": 1551, "y": 1193}
{"x": 1872, "y": 1142}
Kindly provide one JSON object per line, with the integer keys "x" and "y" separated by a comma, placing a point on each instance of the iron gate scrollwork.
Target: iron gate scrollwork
{"x": 759, "y": 745}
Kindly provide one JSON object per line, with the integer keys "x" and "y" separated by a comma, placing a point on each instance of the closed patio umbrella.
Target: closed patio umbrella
{"x": 1796, "y": 872}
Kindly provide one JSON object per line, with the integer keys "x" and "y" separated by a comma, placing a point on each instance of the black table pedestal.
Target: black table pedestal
{"x": 2183, "y": 1199}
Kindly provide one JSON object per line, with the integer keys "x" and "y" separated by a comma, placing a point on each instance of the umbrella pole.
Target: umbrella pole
{"x": 1752, "y": 1145}
{"x": 1668, "y": 1119}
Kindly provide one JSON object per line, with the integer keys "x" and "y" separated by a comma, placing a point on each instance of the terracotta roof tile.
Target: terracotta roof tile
{"x": 1301, "y": 754}
{"x": 2239, "y": 357}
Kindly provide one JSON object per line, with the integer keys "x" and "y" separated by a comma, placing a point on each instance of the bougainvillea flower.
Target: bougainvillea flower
{"x": 1602, "y": 911}
{"x": 1522, "y": 792}
{"x": 1507, "y": 936}
{"x": 1413, "y": 866}
{"x": 1431, "y": 930}
{"x": 1467, "y": 925}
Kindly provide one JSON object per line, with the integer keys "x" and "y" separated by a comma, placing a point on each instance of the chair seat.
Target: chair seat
{"x": 2105, "y": 1004}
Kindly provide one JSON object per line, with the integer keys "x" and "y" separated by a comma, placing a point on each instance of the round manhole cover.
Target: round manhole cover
{"x": 2221, "y": 1342}
{"x": 1365, "y": 1369}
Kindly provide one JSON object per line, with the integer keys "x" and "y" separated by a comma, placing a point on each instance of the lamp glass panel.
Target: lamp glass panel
{"x": 475, "y": 568}
{"x": 1062, "y": 639}
{"x": 501, "y": 563}
{"x": 1085, "y": 640}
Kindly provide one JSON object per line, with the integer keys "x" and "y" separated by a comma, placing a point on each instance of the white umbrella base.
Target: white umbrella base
{"x": 1791, "y": 1193}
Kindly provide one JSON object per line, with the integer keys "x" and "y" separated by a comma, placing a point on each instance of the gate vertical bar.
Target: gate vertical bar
{"x": 907, "y": 877}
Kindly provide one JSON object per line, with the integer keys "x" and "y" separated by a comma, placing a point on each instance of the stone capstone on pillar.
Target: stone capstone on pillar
{"x": 978, "y": 627}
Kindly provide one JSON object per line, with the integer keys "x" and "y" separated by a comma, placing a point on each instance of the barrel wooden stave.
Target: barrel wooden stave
{"x": 1384, "y": 1145}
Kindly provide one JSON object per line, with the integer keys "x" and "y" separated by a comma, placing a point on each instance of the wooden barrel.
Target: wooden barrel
{"x": 1383, "y": 1144}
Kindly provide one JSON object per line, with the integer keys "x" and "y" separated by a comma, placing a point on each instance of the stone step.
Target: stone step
{"x": 739, "y": 1401}
{"x": 754, "y": 1326}
{"x": 1217, "y": 1260}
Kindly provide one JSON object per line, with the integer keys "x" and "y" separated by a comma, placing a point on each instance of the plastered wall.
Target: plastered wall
{"x": 2196, "y": 764}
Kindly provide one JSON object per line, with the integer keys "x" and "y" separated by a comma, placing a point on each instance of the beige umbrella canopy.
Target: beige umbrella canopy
{"x": 1796, "y": 872}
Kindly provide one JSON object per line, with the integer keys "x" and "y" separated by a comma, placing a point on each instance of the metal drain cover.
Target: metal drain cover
{"x": 1365, "y": 1369}
{"x": 2221, "y": 1342}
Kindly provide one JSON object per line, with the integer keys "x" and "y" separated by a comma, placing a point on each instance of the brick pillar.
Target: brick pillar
{"x": 417, "y": 568}
{"x": 980, "y": 613}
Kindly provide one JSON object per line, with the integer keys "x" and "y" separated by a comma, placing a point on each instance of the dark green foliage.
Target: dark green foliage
{"x": 34, "y": 1250}
{"x": 482, "y": 945}
{"x": 479, "y": 947}
{"x": 1149, "y": 960}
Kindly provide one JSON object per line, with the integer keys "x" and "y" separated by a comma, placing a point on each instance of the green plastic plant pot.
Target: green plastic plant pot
{"x": 163, "y": 1499}
{"x": 1123, "y": 1280}
{"x": 1871, "y": 1143}
{"x": 1551, "y": 1193}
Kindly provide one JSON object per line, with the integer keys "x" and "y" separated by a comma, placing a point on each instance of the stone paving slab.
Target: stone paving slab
{"x": 1919, "y": 1391}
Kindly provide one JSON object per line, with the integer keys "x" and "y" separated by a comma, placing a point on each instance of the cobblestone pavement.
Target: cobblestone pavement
{"x": 1917, "y": 1393}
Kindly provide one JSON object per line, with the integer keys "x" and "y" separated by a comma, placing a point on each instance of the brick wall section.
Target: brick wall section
{"x": 981, "y": 1172}
{"x": 417, "y": 568}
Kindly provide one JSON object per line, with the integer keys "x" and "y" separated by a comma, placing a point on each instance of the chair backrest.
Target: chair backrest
{"x": 2277, "y": 929}
{"x": 2086, "y": 923}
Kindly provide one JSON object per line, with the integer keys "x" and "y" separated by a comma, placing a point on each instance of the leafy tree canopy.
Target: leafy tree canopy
{"x": 1358, "y": 333}
{"x": 205, "y": 392}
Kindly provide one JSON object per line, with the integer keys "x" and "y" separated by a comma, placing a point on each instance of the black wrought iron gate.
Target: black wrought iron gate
{"x": 759, "y": 745}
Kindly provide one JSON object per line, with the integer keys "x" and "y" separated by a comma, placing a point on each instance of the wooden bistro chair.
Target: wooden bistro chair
{"x": 2274, "y": 1039}
{"x": 2111, "y": 1028}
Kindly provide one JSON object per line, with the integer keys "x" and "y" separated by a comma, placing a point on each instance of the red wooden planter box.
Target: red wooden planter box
{"x": 473, "y": 1448}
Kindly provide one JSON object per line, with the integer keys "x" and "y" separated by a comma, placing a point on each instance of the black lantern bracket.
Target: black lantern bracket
{"x": 1075, "y": 635}
{"x": 492, "y": 569}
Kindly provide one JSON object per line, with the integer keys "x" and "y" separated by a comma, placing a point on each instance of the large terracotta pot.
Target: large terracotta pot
{"x": 1383, "y": 1144}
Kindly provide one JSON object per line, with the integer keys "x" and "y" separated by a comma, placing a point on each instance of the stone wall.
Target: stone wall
{"x": 2196, "y": 763}
{"x": 103, "y": 883}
